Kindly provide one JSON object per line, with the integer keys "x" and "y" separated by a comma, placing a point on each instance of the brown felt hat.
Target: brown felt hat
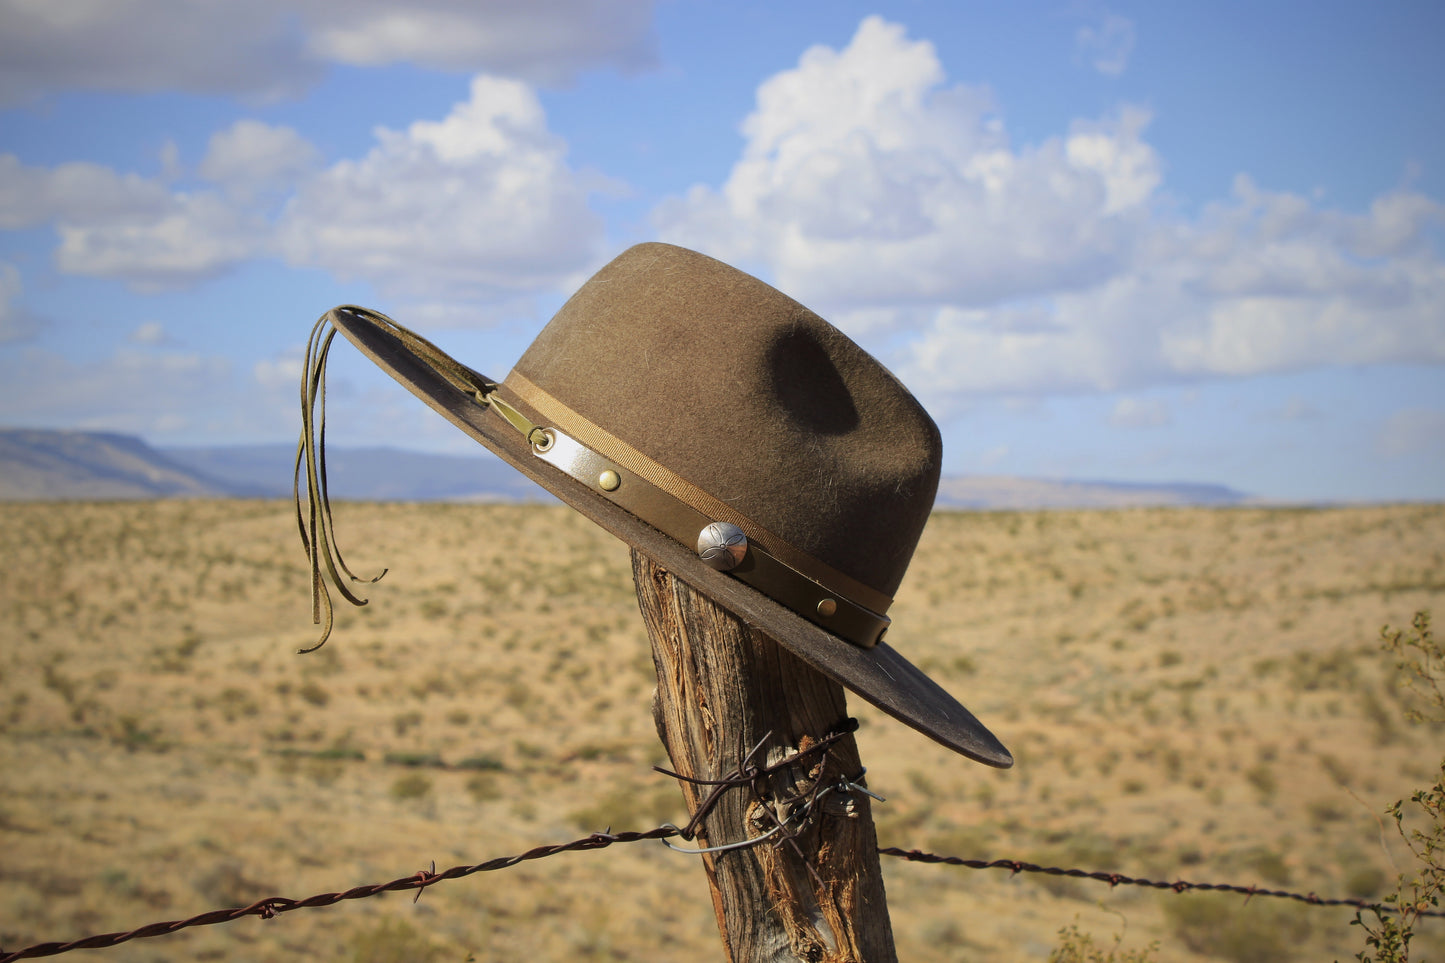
{"x": 725, "y": 431}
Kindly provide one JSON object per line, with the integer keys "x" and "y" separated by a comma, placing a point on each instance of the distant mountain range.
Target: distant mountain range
{"x": 75, "y": 465}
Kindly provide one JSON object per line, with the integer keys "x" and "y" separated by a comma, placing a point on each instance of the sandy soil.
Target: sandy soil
{"x": 1189, "y": 693}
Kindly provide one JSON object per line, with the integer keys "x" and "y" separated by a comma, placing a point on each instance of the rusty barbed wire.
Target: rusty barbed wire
{"x": 747, "y": 775}
{"x": 1119, "y": 879}
{"x": 272, "y": 906}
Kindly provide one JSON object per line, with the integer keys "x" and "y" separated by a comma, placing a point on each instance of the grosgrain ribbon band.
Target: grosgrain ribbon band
{"x": 682, "y": 523}
{"x": 595, "y": 458}
{"x": 610, "y": 446}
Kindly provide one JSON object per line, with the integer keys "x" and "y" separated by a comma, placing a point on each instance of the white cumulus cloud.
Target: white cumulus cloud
{"x": 895, "y": 203}
{"x": 1106, "y": 44}
{"x": 121, "y": 225}
{"x": 479, "y": 205}
{"x": 73, "y": 193}
{"x": 149, "y": 332}
{"x": 197, "y": 235}
{"x": 866, "y": 181}
{"x": 540, "y": 42}
{"x": 274, "y": 48}
{"x": 252, "y": 159}
{"x": 1140, "y": 413}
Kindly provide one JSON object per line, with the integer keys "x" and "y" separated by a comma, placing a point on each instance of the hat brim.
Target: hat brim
{"x": 879, "y": 674}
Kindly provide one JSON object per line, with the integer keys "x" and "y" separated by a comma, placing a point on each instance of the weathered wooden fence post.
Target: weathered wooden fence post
{"x": 723, "y": 687}
{"x": 718, "y": 426}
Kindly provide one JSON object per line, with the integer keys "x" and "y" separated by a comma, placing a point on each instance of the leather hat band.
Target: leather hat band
{"x": 608, "y": 445}
{"x": 639, "y": 496}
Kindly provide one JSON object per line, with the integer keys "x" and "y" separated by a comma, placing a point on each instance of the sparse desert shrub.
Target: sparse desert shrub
{"x": 1263, "y": 779}
{"x": 1388, "y": 935}
{"x": 1338, "y": 771}
{"x": 1173, "y": 765}
{"x": 339, "y": 752}
{"x": 1227, "y": 927}
{"x": 1324, "y": 811}
{"x": 314, "y": 694}
{"x": 482, "y": 763}
{"x": 58, "y": 682}
{"x": 133, "y": 735}
{"x": 236, "y": 702}
{"x": 1078, "y": 849}
{"x": 413, "y": 785}
{"x": 1270, "y": 865}
{"x": 1310, "y": 671}
{"x": 1365, "y": 882}
{"x": 414, "y": 760}
{"x": 324, "y": 772}
{"x": 1076, "y": 947}
{"x": 190, "y": 641}
{"x": 1384, "y": 721}
{"x": 1422, "y": 674}
{"x": 484, "y": 787}
{"x": 393, "y": 941}
{"x": 632, "y": 807}
{"x": 970, "y": 842}
{"x": 226, "y": 884}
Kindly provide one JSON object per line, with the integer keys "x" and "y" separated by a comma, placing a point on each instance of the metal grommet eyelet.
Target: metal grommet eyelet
{"x": 542, "y": 439}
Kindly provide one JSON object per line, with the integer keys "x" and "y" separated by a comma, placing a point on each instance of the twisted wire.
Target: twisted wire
{"x": 272, "y": 906}
{"x": 1119, "y": 879}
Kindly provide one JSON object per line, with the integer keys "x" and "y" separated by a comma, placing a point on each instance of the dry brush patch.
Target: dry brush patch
{"x": 1190, "y": 693}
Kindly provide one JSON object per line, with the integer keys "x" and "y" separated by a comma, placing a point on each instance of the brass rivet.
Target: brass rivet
{"x": 827, "y": 607}
{"x": 609, "y": 481}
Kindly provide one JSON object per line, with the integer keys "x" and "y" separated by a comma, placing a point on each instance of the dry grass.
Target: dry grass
{"x": 1189, "y": 693}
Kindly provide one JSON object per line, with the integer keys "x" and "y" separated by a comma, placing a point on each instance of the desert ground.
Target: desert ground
{"x": 1189, "y": 693}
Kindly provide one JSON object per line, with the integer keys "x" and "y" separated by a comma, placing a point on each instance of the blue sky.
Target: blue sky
{"x": 1144, "y": 242}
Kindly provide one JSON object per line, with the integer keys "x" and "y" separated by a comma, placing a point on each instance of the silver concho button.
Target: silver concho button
{"x": 722, "y": 545}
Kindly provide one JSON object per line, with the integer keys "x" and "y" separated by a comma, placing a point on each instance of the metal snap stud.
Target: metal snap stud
{"x": 609, "y": 481}
{"x": 827, "y": 607}
{"x": 722, "y": 545}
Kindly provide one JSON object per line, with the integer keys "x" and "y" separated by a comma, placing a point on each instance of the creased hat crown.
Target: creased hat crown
{"x": 750, "y": 397}
{"x": 722, "y": 430}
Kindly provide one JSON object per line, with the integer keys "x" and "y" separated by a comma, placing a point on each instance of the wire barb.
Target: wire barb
{"x": 1116, "y": 879}
{"x": 272, "y": 906}
{"x": 748, "y": 775}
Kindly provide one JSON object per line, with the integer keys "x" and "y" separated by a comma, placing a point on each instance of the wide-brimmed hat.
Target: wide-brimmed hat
{"x": 720, "y": 428}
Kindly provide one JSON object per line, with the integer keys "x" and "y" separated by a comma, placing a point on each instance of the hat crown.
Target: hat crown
{"x": 752, "y": 398}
